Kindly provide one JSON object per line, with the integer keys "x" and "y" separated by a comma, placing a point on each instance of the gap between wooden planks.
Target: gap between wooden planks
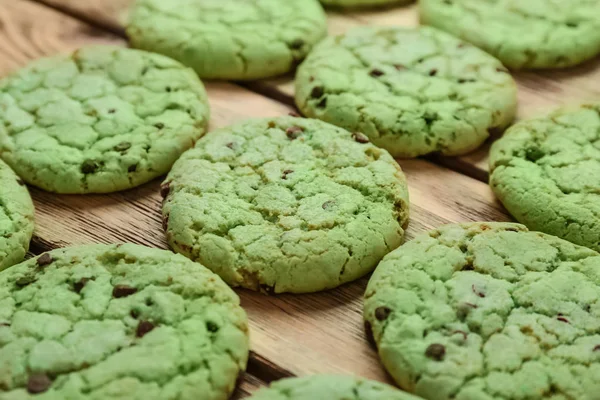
{"x": 290, "y": 334}
{"x": 539, "y": 92}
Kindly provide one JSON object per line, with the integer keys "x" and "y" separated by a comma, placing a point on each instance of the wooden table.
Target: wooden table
{"x": 291, "y": 335}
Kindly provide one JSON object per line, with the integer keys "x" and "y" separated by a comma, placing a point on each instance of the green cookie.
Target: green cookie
{"x": 285, "y": 205}
{"x": 488, "y": 311}
{"x": 330, "y": 387}
{"x": 16, "y": 218}
{"x": 364, "y": 3}
{"x": 412, "y": 91}
{"x": 522, "y": 34}
{"x": 121, "y": 322}
{"x": 229, "y": 39}
{"x": 99, "y": 120}
{"x": 547, "y": 174}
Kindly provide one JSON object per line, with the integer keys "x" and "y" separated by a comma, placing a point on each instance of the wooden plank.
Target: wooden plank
{"x": 290, "y": 334}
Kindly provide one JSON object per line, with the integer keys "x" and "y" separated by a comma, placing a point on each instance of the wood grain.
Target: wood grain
{"x": 290, "y": 334}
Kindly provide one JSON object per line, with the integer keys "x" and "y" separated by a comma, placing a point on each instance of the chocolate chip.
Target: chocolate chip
{"x": 44, "y": 259}
{"x": 112, "y": 111}
{"x": 462, "y": 80}
{"x": 168, "y": 89}
{"x": 399, "y": 67}
{"x": 293, "y": 132}
{"x": 90, "y": 166}
{"x": 231, "y": 145}
{"x": 477, "y": 292}
{"x": 360, "y": 137}
{"x": 123, "y": 291}
{"x": 20, "y": 182}
{"x": 123, "y": 146}
{"x": 132, "y": 168}
{"x": 433, "y": 72}
{"x": 597, "y": 347}
{"x": 38, "y": 383}
{"x": 4, "y": 324}
{"x": 375, "y": 73}
{"x": 297, "y": 44}
{"x": 165, "y": 188}
{"x": 143, "y": 328}
{"x": 294, "y": 114}
{"x": 382, "y": 313}
{"x": 134, "y": 314}
{"x": 369, "y": 334}
{"x": 159, "y": 125}
{"x": 328, "y": 204}
{"x": 562, "y": 319}
{"x": 317, "y": 92}
{"x": 286, "y": 173}
{"x": 212, "y": 327}
{"x": 436, "y": 352}
{"x": 78, "y": 286}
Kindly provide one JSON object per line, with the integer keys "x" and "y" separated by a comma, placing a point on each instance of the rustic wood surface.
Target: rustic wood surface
{"x": 291, "y": 334}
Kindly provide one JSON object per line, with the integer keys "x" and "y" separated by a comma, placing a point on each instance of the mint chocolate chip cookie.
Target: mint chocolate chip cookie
{"x": 546, "y": 172}
{"x": 99, "y": 120}
{"x": 229, "y": 39}
{"x": 364, "y": 3}
{"x": 330, "y": 387}
{"x": 522, "y": 34}
{"x": 118, "y": 322}
{"x": 411, "y": 91}
{"x": 16, "y": 218}
{"x": 285, "y": 205}
{"x": 488, "y": 311}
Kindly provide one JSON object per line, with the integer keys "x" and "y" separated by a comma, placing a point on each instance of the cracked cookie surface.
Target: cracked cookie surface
{"x": 522, "y": 34}
{"x": 118, "y": 322}
{"x": 285, "y": 205}
{"x": 99, "y": 120}
{"x": 364, "y": 3}
{"x": 412, "y": 91}
{"x": 330, "y": 387}
{"x": 229, "y": 39}
{"x": 487, "y": 311}
{"x": 546, "y": 172}
{"x": 16, "y": 218}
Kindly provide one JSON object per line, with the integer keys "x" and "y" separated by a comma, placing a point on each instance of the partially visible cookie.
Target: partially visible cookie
{"x": 364, "y": 3}
{"x": 229, "y": 39}
{"x": 99, "y": 120}
{"x": 411, "y": 91}
{"x": 488, "y": 311}
{"x": 118, "y": 322}
{"x": 285, "y": 205}
{"x": 546, "y": 172}
{"x": 16, "y": 218}
{"x": 522, "y": 34}
{"x": 330, "y": 387}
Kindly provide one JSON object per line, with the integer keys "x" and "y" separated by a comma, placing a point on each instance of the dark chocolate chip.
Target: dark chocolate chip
{"x": 112, "y": 111}
{"x": 165, "y": 188}
{"x": 433, "y": 72}
{"x": 90, "y": 166}
{"x": 44, "y": 259}
{"x": 159, "y": 125}
{"x": 134, "y": 314}
{"x": 132, "y": 168}
{"x": 123, "y": 146}
{"x": 293, "y": 132}
{"x": 212, "y": 327}
{"x": 562, "y": 319}
{"x": 597, "y": 347}
{"x": 477, "y": 292}
{"x": 328, "y": 204}
{"x": 20, "y": 182}
{"x": 294, "y": 114}
{"x": 78, "y": 286}
{"x": 382, "y": 313}
{"x": 143, "y": 328}
{"x": 360, "y": 137}
{"x": 436, "y": 352}
{"x": 297, "y": 44}
{"x": 317, "y": 92}
{"x": 38, "y": 383}
{"x": 375, "y": 73}
{"x": 123, "y": 291}
{"x": 286, "y": 173}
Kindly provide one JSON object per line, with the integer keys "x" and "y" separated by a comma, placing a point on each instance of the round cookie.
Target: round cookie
{"x": 364, "y": 3}
{"x": 229, "y": 39}
{"x": 522, "y": 34}
{"x": 488, "y": 311}
{"x": 330, "y": 387}
{"x": 118, "y": 322}
{"x": 99, "y": 120}
{"x": 412, "y": 91}
{"x": 285, "y": 205}
{"x": 546, "y": 172}
{"x": 16, "y": 218}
